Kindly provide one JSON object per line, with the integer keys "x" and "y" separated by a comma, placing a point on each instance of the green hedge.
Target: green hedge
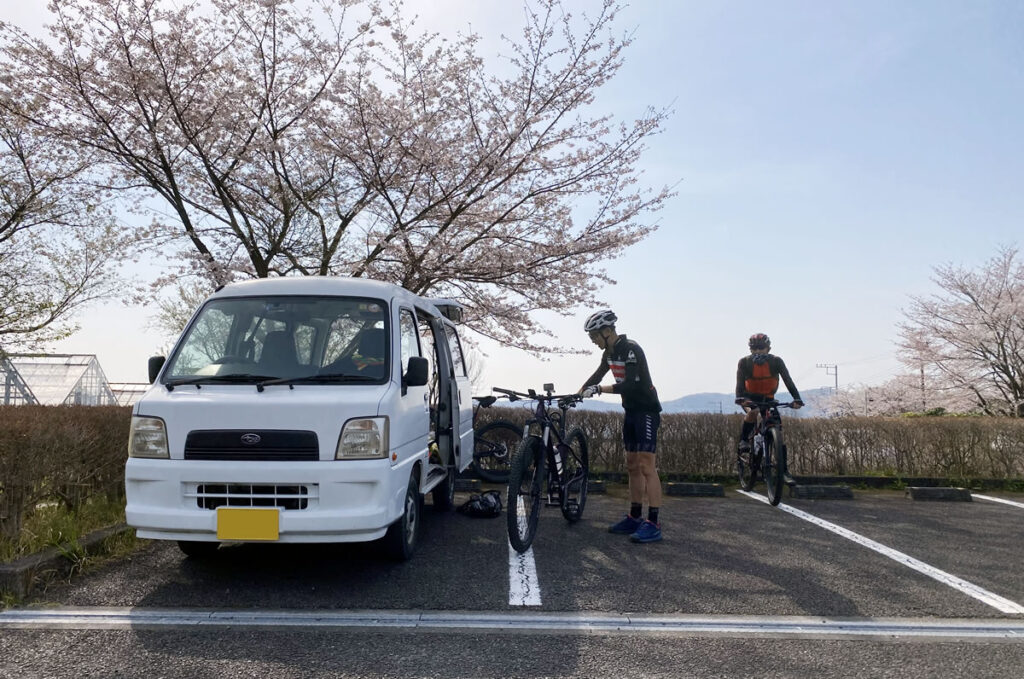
{"x": 695, "y": 444}
{"x": 59, "y": 454}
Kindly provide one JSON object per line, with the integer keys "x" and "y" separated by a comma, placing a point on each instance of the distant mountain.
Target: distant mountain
{"x": 815, "y": 401}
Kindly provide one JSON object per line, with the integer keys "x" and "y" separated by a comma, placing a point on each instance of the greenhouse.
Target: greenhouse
{"x": 54, "y": 379}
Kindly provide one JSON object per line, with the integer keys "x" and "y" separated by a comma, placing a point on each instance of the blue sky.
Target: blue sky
{"x": 827, "y": 155}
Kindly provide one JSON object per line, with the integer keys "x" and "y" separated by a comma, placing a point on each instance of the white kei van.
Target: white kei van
{"x": 312, "y": 409}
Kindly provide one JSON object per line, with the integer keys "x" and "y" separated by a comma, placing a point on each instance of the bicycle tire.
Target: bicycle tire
{"x": 525, "y": 481}
{"x": 494, "y": 446}
{"x": 575, "y": 475}
{"x": 773, "y": 465}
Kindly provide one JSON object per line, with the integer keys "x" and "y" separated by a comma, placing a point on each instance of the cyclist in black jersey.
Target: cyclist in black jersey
{"x": 628, "y": 365}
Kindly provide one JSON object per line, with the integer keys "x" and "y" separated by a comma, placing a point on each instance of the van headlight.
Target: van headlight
{"x": 148, "y": 438}
{"x": 364, "y": 438}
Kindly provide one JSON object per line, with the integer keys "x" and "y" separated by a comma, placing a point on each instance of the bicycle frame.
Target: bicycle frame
{"x": 769, "y": 426}
{"x": 550, "y": 455}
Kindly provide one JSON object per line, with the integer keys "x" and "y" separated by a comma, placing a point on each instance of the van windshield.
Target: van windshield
{"x": 253, "y": 339}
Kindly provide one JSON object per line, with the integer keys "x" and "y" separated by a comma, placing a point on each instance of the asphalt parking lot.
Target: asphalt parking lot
{"x": 850, "y": 577}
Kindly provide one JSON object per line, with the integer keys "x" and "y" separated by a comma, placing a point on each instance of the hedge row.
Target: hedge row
{"x": 63, "y": 454}
{"x": 67, "y": 454}
{"x": 945, "y": 447}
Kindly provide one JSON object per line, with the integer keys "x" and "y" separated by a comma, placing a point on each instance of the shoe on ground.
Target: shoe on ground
{"x": 627, "y": 526}
{"x": 647, "y": 532}
{"x": 788, "y": 480}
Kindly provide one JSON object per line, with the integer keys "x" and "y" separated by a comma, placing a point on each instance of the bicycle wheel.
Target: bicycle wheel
{"x": 746, "y": 469}
{"x": 525, "y": 479}
{"x": 773, "y": 465}
{"x": 493, "y": 448}
{"x": 575, "y": 471}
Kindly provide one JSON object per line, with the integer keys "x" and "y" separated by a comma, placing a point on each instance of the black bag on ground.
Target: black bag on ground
{"x": 487, "y": 505}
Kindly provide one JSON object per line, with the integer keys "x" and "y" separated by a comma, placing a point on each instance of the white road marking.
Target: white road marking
{"x": 98, "y": 618}
{"x": 1002, "y": 604}
{"x": 523, "y": 586}
{"x": 999, "y": 500}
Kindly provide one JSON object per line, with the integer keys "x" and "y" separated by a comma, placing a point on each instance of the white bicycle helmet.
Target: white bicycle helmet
{"x": 600, "y": 319}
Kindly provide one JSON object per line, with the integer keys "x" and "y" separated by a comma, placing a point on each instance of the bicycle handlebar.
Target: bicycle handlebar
{"x": 569, "y": 399}
{"x": 767, "y": 404}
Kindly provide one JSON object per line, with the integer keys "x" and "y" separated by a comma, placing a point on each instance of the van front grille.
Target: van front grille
{"x": 252, "y": 445}
{"x": 291, "y": 497}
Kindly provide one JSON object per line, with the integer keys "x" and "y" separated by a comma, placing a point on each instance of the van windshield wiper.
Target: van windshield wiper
{"x": 322, "y": 378}
{"x": 232, "y": 377}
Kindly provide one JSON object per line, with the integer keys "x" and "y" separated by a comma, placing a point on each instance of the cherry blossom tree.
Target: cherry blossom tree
{"x": 58, "y": 247}
{"x": 329, "y": 137}
{"x": 968, "y": 339}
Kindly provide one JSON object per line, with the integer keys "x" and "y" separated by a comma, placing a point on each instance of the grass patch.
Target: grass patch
{"x": 53, "y": 524}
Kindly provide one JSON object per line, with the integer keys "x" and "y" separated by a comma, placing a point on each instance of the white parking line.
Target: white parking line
{"x": 100, "y": 618}
{"x": 523, "y": 586}
{"x": 1000, "y": 603}
{"x": 999, "y": 500}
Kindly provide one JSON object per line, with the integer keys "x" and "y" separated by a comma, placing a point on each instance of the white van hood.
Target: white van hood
{"x": 322, "y": 409}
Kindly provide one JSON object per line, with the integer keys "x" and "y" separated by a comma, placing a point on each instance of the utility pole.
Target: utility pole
{"x": 834, "y": 371}
{"x": 713, "y": 404}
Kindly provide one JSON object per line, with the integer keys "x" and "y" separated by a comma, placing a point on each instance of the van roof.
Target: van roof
{"x": 330, "y": 285}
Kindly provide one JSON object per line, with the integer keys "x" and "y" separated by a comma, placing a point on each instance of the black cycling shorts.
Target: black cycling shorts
{"x": 640, "y": 432}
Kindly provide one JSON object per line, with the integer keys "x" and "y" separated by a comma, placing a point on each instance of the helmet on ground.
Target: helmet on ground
{"x": 600, "y": 319}
{"x": 759, "y": 341}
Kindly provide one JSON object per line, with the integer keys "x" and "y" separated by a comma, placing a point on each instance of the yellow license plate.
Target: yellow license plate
{"x": 247, "y": 524}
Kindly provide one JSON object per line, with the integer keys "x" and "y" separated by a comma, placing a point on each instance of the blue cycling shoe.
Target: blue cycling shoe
{"x": 647, "y": 532}
{"x": 627, "y": 526}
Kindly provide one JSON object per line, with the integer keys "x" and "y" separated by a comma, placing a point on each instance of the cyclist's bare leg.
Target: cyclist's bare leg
{"x": 637, "y": 479}
{"x": 649, "y": 472}
{"x": 749, "y": 420}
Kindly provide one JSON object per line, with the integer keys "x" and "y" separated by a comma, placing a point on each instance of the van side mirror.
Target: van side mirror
{"x": 155, "y": 363}
{"x": 417, "y": 373}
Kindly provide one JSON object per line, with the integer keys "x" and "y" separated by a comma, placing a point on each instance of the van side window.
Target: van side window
{"x": 429, "y": 351}
{"x": 410, "y": 339}
{"x": 456, "y": 347}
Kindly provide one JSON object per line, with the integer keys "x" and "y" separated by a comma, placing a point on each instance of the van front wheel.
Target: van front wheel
{"x": 402, "y": 536}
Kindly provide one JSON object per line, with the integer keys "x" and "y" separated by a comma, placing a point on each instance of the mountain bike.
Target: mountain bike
{"x": 550, "y": 464}
{"x": 494, "y": 444}
{"x": 767, "y": 452}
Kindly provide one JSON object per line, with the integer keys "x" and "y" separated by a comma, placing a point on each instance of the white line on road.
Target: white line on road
{"x": 523, "y": 586}
{"x": 567, "y": 623}
{"x": 999, "y": 500}
{"x": 1000, "y": 603}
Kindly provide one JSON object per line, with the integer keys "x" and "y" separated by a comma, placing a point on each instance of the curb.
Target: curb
{"x": 18, "y": 578}
{"x": 941, "y": 494}
{"x": 695, "y": 489}
{"x": 467, "y": 485}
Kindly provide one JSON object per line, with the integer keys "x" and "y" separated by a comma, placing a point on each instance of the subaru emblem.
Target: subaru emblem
{"x": 251, "y": 439}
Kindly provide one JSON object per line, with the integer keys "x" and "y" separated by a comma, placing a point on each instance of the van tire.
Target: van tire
{"x": 195, "y": 549}
{"x": 444, "y": 492}
{"x": 402, "y": 536}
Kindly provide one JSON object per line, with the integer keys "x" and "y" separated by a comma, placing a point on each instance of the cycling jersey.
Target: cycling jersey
{"x": 760, "y": 382}
{"x": 633, "y": 383}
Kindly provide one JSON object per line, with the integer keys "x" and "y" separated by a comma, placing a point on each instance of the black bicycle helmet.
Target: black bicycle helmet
{"x": 600, "y": 319}
{"x": 759, "y": 341}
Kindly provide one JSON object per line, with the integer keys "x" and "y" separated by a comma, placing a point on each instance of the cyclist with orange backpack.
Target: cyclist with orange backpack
{"x": 757, "y": 379}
